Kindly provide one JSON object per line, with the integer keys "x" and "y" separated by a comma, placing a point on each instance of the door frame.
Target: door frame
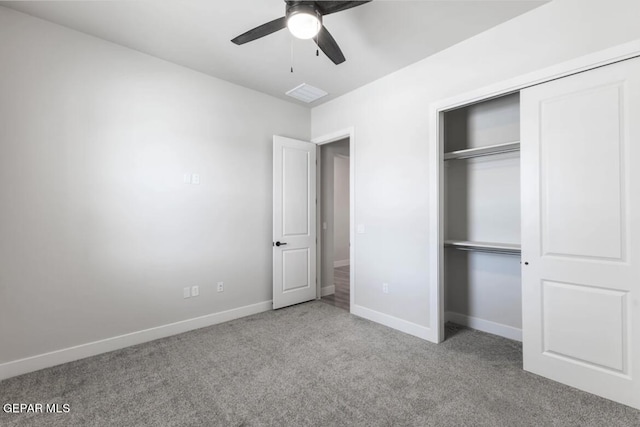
{"x": 436, "y": 155}
{"x": 319, "y": 141}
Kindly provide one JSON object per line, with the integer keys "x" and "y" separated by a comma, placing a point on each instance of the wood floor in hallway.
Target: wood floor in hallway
{"x": 342, "y": 297}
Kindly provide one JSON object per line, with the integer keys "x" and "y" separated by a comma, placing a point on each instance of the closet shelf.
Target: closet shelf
{"x": 500, "y": 248}
{"x": 482, "y": 151}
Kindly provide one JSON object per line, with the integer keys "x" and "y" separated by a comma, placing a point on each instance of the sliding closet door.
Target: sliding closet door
{"x": 581, "y": 230}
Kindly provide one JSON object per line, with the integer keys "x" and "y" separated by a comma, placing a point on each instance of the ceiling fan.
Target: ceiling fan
{"x": 304, "y": 20}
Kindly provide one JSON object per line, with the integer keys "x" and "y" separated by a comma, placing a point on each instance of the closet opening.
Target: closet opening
{"x": 481, "y": 221}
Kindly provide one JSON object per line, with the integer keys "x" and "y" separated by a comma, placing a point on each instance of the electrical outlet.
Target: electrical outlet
{"x": 385, "y": 288}
{"x": 195, "y": 291}
{"x": 220, "y": 286}
{"x": 186, "y": 292}
{"x": 195, "y": 179}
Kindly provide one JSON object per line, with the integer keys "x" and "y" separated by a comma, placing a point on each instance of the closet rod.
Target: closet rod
{"x": 496, "y": 248}
{"x": 485, "y": 250}
{"x": 473, "y": 156}
{"x": 489, "y": 150}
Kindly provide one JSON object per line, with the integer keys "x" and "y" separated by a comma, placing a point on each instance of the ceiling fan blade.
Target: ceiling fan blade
{"x": 327, "y": 43}
{"x": 261, "y": 31}
{"x": 327, "y": 7}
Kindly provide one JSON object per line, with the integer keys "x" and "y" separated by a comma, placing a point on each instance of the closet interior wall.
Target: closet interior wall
{"x": 482, "y": 269}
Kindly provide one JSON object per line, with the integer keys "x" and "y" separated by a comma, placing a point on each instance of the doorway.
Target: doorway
{"x": 334, "y": 217}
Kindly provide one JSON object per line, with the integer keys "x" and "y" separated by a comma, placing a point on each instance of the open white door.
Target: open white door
{"x": 294, "y": 221}
{"x": 581, "y": 230}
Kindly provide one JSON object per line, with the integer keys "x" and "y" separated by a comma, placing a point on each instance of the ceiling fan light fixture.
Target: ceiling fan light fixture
{"x": 304, "y": 21}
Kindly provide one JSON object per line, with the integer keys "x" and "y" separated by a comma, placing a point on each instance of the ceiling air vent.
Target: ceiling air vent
{"x": 306, "y": 93}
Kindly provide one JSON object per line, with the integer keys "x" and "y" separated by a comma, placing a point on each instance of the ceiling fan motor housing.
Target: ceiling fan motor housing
{"x": 308, "y": 7}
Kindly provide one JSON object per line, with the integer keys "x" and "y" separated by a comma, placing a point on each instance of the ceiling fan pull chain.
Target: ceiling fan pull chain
{"x": 316, "y": 39}
{"x": 292, "y": 55}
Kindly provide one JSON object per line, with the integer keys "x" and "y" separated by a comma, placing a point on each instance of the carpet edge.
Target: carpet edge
{"x": 70, "y": 354}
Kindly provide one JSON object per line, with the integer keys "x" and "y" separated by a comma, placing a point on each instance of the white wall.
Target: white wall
{"x": 341, "y": 209}
{"x": 99, "y": 234}
{"x": 328, "y": 152}
{"x": 391, "y": 116}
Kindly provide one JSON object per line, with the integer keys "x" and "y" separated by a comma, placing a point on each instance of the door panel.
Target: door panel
{"x": 585, "y": 334}
{"x": 296, "y": 271}
{"x": 581, "y": 230}
{"x": 583, "y": 129}
{"x": 294, "y": 221}
{"x": 295, "y": 191}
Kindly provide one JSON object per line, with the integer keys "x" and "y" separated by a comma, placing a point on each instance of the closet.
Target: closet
{"x": 482, "y": 216}
{"x": 538, "y": 222}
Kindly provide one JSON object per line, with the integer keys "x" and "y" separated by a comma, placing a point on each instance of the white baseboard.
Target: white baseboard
{"x": 484, "y": 325}
{"x": 327, "y": 290}
{"x": 395, "y": 323}
{"x": 341, "y": 263}
{"x": 46, "y": 360}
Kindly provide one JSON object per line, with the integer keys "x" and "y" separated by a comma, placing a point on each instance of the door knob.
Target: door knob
{"x": 280, "y": 244}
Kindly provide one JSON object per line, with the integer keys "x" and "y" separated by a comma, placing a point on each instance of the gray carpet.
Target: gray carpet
{"x": 311, "y": 364}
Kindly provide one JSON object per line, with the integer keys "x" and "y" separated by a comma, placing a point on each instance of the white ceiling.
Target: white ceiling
{"x": 377, "y": 38}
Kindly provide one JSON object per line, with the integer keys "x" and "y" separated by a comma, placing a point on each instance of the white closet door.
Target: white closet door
{"x": 581, "y": 230}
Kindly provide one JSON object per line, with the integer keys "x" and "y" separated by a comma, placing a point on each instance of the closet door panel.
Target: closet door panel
{"x": 581, "y": 230}
{"x": 582, "y": 175}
